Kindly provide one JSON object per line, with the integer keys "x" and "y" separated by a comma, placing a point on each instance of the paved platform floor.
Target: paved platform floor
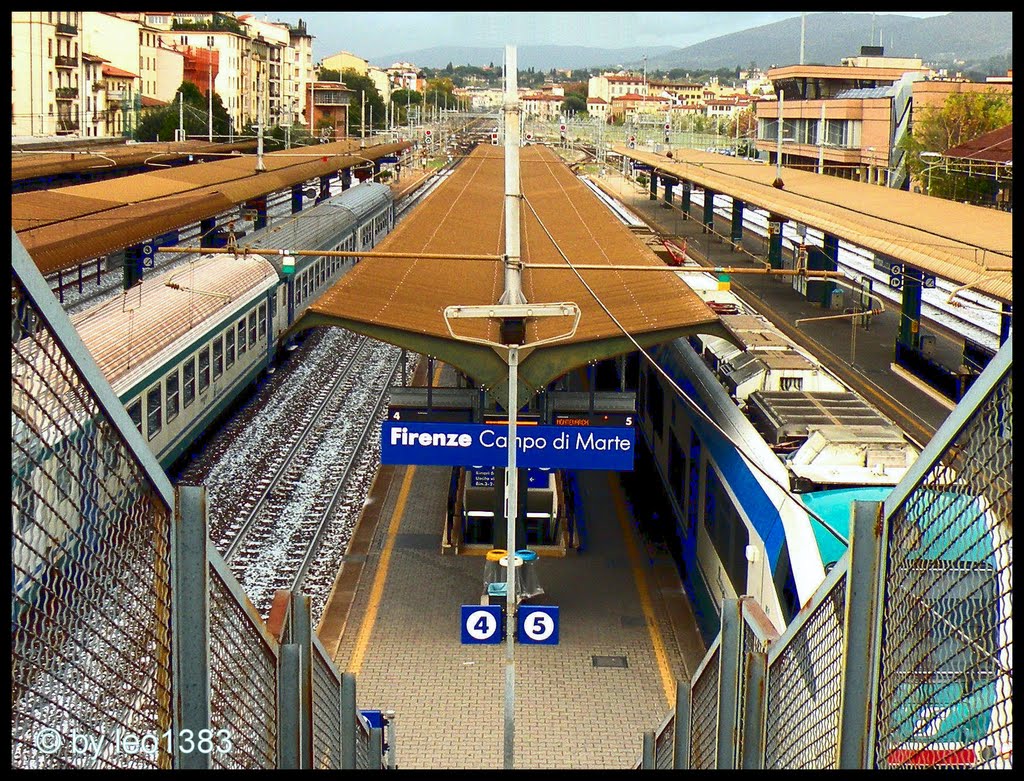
{"x": 616, "y": 598}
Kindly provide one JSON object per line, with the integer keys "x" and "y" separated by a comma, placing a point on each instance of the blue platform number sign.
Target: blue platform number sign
{"x": 538, "y": 624}
{"x": 481, "y": 624}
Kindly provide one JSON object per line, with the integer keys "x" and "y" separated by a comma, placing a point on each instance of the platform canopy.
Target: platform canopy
{"x": 402, "y": 301}
{"x": 967, "y": 245}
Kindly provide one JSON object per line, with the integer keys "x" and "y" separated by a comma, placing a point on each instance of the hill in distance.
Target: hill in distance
{"x": 949, "y": 40}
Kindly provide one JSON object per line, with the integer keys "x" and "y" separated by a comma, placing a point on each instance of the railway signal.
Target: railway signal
{"x": 494, "y": 138}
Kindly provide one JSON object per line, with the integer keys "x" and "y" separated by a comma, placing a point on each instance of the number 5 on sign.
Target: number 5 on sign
{"x": 538, "y": 624}
{"x": 480, "y": 624}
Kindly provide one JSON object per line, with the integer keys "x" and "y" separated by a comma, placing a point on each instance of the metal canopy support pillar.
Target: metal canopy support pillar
{"x": 654, "y": 185}
{"x": 669, "y": 184}
{"x": 132, "y": 265}
{"x": 1005, "y": 321}
{"x": 729, "y": 684}
{"x": 860, "y": 638}
{"x": 775, "y": 240}
{"x": 325, "y": 188}
{"x": 910, "y": 317}
{"x": 736, "y": 232}
{"x": 205, "y": 228}
{"x": 346, "y": 179}
{"x": 822, "y": 258}
{"x": 296, "y": 197}
{"x": 709, "y": 210}
{"x": 684, "y": 200}
{"x": 190, "y": 623}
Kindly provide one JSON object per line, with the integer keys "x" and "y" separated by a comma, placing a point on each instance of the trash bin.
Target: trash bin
{"x": 528, "y": 583}
{"x": 494, "y": 576}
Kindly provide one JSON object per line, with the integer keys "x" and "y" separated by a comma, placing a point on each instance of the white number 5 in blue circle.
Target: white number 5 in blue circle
{"x": 480, "y": 623}
{"x": 538, "y": 624}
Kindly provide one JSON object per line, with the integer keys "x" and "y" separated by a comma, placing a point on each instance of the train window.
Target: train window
{"x": 676, "y": 468}
{"x": 241, "y": 337}
{"x": 154, "y": 415}
{"x": 188, "y": 390}
{"x": 656, "y": 406}
{"x": 305, "y": 286}
{"x": 135, "y": 413}
{"x": 263, "y": 320}
{"x": 172, "y": 396}
{"x": 273, "y": 306}
{"x": 229, "y": 348}
{"x": 725, "y": 527}
{"x": 218, "y": 358}
{"x": 252, "y": 328}
{"x": 204, "y": 369}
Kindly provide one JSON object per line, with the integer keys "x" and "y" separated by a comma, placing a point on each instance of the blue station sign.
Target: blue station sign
{"x": 480, "y": 445}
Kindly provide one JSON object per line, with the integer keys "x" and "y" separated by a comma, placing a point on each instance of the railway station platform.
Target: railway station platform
{"x": 861, "y": 358}
{"x": 393, "y": 619}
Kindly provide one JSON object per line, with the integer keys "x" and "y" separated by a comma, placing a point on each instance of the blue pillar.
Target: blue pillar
{"x": 1005, "y": 321}
{"x": 684, "y": 204}
{"x": 205, "y": 226}
{"x": 376, "y": 168}
{"x": 346, "y": 178}
{"x": 261, "y": 212}
{"x": 709, "y": 210}
{"x": 296, "y": 197}
{"x": 325, "y": 188}
{"x": 654, "y": 186}
{"x": 775, "y": 240}
{"x": 669, "y": 184}
{"x": 822, "y": 258}
{"x": 132, "y": 265}
{"x": 910, "y": 319}
{"x": 736, "y": 234}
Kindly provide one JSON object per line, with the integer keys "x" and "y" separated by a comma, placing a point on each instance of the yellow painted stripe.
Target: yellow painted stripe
{"x": 667, "y": 681}
{"x": 380, "y": 578}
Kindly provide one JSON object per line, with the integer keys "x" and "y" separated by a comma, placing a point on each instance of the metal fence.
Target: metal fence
{"x": 132, "y": 643}
{"x": 902, "y": 658}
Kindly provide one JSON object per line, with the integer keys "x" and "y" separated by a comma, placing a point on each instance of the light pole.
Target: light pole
{"x": 778, "y": 146}
{"x": 930, "y": 156}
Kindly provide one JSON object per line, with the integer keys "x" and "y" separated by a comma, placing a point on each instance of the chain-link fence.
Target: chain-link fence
{"x": 902, "y": 658}
{"x": 90, "y": 561}
{"x": 946, "y": 668}
{"x": 132, "y": 644}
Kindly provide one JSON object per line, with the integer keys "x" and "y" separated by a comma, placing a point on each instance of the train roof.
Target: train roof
{"x": 125, "y": 332}
{"x": 324, "y": 225}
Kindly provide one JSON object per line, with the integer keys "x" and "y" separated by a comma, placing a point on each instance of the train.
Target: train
{"x": 740, "y": 522}
{"x": 179, "y": 348}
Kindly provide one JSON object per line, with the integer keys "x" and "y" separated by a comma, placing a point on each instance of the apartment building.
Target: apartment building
{"x": 47, "y": 75}
{"x": 544, "y": 106}
{"x": 614, "y": 85}
{"x": 681, "y": 93}
{"x": 632, "y": 105}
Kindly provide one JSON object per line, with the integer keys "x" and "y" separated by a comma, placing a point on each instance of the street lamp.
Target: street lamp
{"x": 930, "y": 156}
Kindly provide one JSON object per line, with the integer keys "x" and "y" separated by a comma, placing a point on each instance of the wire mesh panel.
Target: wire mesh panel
{"x": 805, "y": 676}
{"x": 326, "y": 710}
{"x": 946, "y": 669}
{"x": 704, "y": 713}
{"x": 664, "y": 743}
{"x": 243, "y": 681}
{"x": 363, "y": 752}
{"x": 90, "y": 549}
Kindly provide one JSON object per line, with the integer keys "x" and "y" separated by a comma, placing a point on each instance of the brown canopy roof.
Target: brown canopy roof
{"x": 402, "y": 301}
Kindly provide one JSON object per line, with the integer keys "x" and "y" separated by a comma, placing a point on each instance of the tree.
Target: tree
{"x": 160, "y": 124}
{"x": 963, "y": 116}
{"x": 363, "y": 85}
{"x": 328, "y": 74}
{"x": 403, "y": 100}
{"x": 574, "y": 103}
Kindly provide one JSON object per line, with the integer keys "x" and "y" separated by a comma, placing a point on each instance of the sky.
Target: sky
{"x": 371, "y": 35}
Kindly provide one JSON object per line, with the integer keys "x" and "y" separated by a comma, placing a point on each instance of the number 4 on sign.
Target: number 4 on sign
{"x": 480, "y": 624}
{"x": 538, "y": 624}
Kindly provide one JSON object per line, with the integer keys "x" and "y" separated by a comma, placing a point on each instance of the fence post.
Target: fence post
{"x": 728, "y": 684}
{"x": 302, "y": 637}
{"x": 860, "y": 654}
{"x": 288, "y": 673}
{"x": 190, "y": 622}
{"x": 348, "y": 721}
{"x": 376, "y": 748}
{"x": 648, "y": 759}
{"x": 681, "y": 745}
{"x": 755, "y": 692}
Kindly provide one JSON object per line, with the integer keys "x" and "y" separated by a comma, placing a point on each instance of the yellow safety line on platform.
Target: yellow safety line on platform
{"x": 366, "y": 627}
{"x": 667, "y": 681}
{"x": 380, "y": 578}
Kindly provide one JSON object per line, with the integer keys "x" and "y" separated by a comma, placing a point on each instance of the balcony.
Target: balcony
{"x": 66, "y": 93}
{"x": 66, "y": 126}
{"x": 65, "y": 62}
{"x": 115, "y": 94}
{"x": 66, "y": 29}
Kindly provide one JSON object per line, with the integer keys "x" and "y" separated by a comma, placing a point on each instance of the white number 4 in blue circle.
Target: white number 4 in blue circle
{"x": 480, "y": 624}
{"x": 538, "y": 624}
